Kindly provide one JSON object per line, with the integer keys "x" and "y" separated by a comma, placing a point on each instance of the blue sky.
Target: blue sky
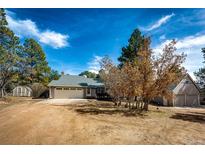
{"x": 75, "y": 39}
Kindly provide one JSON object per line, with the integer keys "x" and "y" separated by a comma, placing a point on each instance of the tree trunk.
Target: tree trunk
{"x": 146, "y": 107}
{"x": 129, "y": 105}
{"x": 2, "y": 93}
{"x": 146, "y": 104}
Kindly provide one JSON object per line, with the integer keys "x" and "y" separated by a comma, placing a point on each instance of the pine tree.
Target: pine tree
{"x": 33, "y": 62}
{"x": 9, "y": 47}
{"x": 54, "y": 75}
{"x": 200, "y": 75}
{"x": 130, "y": 52}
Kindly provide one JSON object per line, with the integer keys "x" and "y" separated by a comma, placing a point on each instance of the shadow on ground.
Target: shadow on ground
{"x": 191, "y": 117}
{"x": 105, "y": 108}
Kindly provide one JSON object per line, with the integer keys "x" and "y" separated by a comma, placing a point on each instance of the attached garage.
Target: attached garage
{"x": 74, "y": 87}
{"x": 69, "y": 93}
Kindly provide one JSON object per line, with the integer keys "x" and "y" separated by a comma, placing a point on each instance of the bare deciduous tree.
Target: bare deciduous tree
{"x": 140, "y": 81}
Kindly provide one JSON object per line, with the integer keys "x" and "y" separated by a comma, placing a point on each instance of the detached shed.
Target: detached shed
{"x": 185, "y": 93}
{"x": 22, "y": 91}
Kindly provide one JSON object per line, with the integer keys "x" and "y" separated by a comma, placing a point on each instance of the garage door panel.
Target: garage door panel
{"x": 192, "y": 100}
{"x": 69, "y": 93}
{"x": 180, "y": 100}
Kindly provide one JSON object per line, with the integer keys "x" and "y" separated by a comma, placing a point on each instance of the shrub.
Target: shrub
{"x": 37, "y": 89}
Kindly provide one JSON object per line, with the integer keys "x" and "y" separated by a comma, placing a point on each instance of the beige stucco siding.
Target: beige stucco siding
{"x": 66, "y": 92}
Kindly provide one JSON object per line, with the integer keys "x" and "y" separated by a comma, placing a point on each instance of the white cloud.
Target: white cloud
{"x": 191, "y": 41}
{"x": 94, "y": 65}
{"x": 28, "y": 28}
{"x": 190, "y": 45}
{"x": 57, "y": 40}
{"x": 160, "y": 22}
{"x": 162, "y": 37}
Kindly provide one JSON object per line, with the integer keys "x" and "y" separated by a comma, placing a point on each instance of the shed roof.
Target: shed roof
{"x": 75, "y": 81}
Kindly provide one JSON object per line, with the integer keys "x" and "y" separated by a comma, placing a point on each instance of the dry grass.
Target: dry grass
{"x": 96, "y": 122}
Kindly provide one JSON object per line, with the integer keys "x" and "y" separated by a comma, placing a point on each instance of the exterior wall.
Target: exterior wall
{"x": 51, "y": 92}
{"x": 88, "y": 92}
{"x": 54, "y": 93}
{"x": 186, "y": 94}
{"x": 23, "y": 91}
{"x": 93, "y": 93}
{"x": 186, "y": 86}
{"x": 163, "y": 101}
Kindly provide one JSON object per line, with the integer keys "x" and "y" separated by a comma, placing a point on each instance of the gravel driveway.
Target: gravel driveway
{"x": 63, "y": 101}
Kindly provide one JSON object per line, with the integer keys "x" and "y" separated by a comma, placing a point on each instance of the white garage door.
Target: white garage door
{"x": 179, "y": 100}
{"x": 192, "y": 100}
{"x": 69, "y": 93}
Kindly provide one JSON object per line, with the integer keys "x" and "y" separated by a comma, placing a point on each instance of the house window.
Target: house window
{"x": 88, "y": 90}
{"x": 100, "y": 90}
{"x": 66, "y": 88}
{"x": 186, "y": 81}
{"x": 79, "y": 88}
{"x": 58, "y": 88}
{"x": 72, "y": 88}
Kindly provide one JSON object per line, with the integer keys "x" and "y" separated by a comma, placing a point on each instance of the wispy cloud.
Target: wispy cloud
{"x": 28, "y": 28}
{"x": 160, "y": 22}
{"x": 162, "y": 37}
{"x": 93, "y": 65}
{"x": 190, "y": 45}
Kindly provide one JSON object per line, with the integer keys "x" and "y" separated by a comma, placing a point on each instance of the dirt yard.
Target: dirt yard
{"x": 25, "y": 121}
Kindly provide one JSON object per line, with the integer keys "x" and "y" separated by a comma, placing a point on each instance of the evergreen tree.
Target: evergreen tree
{"x": 33, "y": 63}
{"x": 88, "y": 74}
{"x": 54, "y": 75}
{"x": 9, "y": 47}
{"x": 200, "y": 75}
{"x": 129, "y": 53}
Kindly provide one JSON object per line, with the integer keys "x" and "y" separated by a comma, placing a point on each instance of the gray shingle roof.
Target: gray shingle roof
{"x": 75, "y": 81}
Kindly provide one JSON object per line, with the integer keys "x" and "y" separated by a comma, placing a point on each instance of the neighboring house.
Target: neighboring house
{"x": 22, "y": 91}
{"x": 73, "y": 86}
{"x": 186, "y": 93}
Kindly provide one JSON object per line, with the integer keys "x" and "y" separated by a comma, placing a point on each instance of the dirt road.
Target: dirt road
{"x": 98, "y": 123}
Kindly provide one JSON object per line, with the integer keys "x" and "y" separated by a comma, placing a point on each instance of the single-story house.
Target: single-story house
{"x": 73, "y": 86}
{"x": 186, "y": 93}
{"x": 22, "y": 91}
